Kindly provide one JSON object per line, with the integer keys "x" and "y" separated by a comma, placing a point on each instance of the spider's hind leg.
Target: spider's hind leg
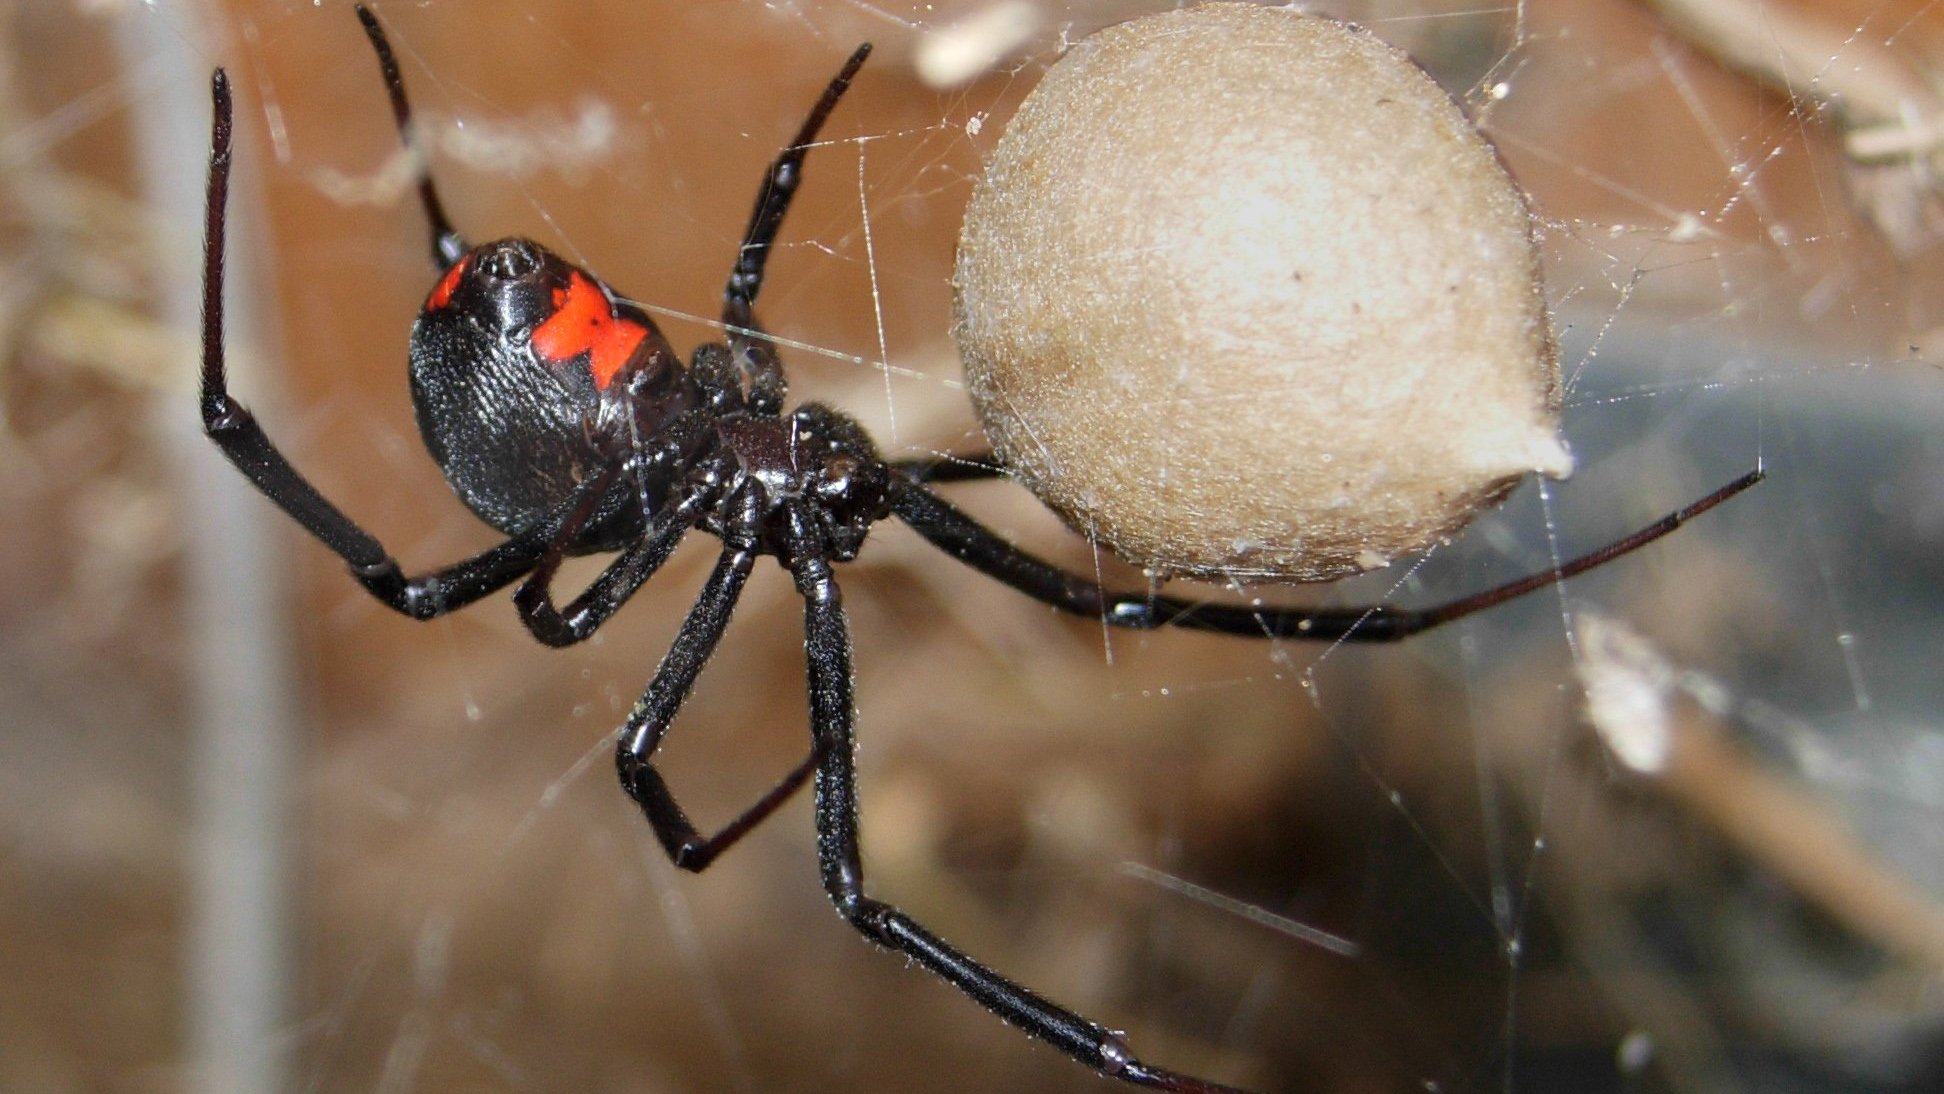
{"x": 754, "y": 356}
{"x": 236, "y": 433}
{"x": 447, "y": 246}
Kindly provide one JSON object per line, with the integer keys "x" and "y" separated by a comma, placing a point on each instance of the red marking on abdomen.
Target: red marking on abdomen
{"x": 583, "y": 322}
{"x": 442, "y": 292}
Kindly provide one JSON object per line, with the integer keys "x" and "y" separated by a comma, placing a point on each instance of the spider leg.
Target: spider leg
{"x": 447, "y": 246}
{"x": 619, "y": 581}
{"x": 979, "y": 547}
{"x": 235, "y": 431}
{"x": 832, "y": 717}
{"x": 634, "y": 752}
{"x": 751, "y": 345}
{"x": 946, "y": 467}
{"x": 688, "y": 848}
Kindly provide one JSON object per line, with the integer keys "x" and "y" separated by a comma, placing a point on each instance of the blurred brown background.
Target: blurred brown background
{"x": 473, "y": 905}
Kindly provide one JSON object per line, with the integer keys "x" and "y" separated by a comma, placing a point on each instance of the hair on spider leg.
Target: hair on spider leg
{"x": 563, "y": 418}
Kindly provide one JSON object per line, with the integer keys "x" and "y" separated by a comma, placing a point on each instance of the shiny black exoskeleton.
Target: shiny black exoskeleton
{"x": 531, "y": 378}
{"x": 562, "y": 417}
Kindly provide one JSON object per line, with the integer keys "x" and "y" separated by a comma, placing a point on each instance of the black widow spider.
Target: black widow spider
{"x": 562, "y": 417}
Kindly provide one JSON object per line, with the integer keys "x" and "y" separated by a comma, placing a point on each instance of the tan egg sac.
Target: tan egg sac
{"x": 1244, "y": 294}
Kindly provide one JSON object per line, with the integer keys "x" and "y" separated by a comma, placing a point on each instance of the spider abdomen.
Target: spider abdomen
{"x": 528, "y": 378}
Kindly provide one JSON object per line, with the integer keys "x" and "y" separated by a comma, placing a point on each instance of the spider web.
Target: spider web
{"x": 1284, "y": 865}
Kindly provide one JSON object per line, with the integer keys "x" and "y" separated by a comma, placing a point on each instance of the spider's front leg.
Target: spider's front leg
{"x": 946, "y": 467}
{"x": 979, "y": 547}
{"x": 833, "y": 748}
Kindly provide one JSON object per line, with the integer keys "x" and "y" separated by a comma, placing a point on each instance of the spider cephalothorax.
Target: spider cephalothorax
{"x": 562, "y": 417}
